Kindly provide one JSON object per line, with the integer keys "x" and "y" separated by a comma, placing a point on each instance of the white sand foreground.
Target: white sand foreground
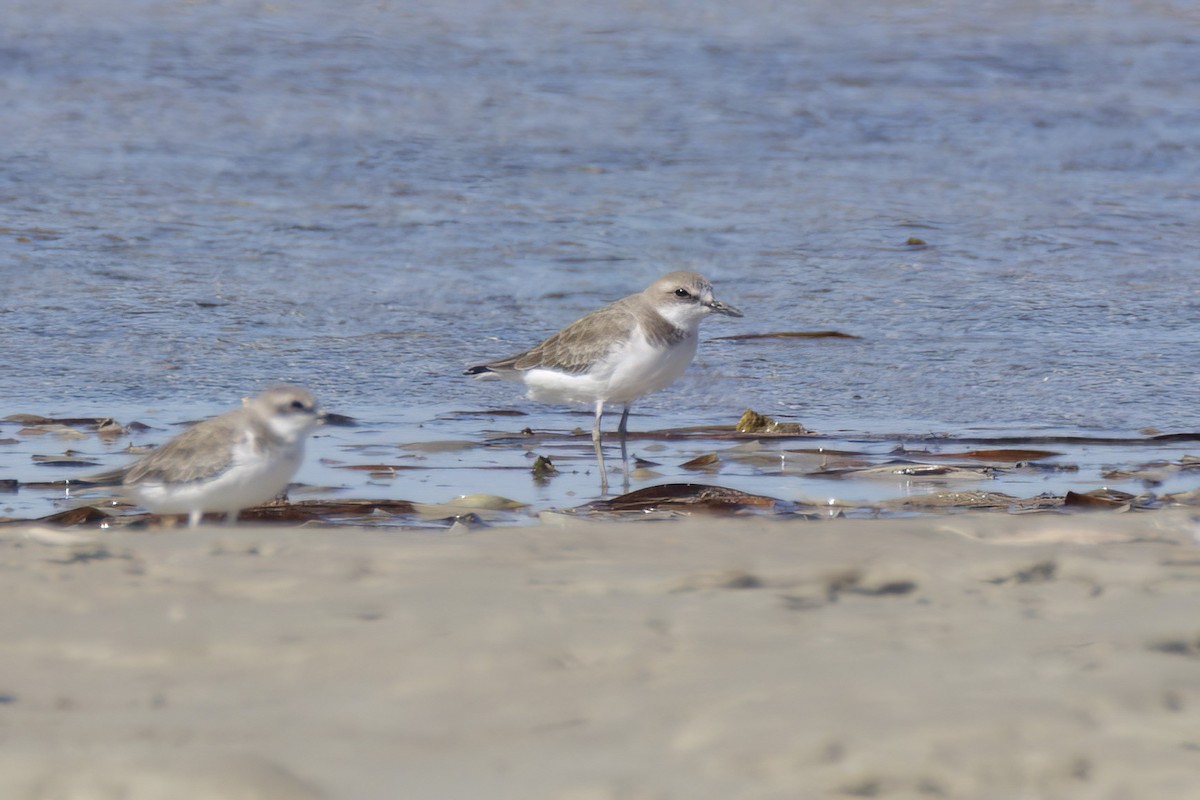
{"x": 962, "y": 657}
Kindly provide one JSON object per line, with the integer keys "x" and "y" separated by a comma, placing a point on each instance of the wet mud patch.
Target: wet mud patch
{"x": 370, "y": 475}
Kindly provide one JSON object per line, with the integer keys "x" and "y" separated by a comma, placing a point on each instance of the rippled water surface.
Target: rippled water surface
{"x": 197, "y": 199}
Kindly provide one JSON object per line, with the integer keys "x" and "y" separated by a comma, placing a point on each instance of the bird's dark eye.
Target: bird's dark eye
{"x": 681, "y": 292}
{"x": 298, "y": 405}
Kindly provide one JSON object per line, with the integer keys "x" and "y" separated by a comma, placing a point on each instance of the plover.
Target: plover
{"x": 618, "y": 353}
{"x": 224, "y": 464}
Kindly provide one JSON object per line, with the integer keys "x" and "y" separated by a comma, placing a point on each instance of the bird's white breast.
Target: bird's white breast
{"x": 630, "y": 370}
{"x": 254, "y": 476}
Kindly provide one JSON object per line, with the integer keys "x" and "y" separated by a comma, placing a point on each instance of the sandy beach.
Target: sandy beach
{"x": 982, "y": 656}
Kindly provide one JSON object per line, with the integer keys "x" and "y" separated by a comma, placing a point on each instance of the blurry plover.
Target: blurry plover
{"x": 618, "y": 353}
{"x": 227, "y": 463}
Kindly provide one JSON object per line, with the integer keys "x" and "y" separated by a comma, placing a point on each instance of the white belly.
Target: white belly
{"x": 252, "y": 479}
{"x": 625, "y": 375}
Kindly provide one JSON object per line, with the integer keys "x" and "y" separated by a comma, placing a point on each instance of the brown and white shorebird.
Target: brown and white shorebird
{"x": 616, "y": 354}
{"x": 224, "y": 464}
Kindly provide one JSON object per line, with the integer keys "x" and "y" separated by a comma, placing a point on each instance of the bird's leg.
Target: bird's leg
{"x": 624, "y": 455}
{"x": 194, "y": 517}
{"x": 596, "y": 443}
{"x": 231, "y": 517}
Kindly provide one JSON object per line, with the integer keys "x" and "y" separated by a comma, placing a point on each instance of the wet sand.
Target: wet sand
{"x": 983, "y": 656}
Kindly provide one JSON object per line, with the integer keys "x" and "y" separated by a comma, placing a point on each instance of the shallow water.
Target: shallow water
{"x": 199, "y": 199}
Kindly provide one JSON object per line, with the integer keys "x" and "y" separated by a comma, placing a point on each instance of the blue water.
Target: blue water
{"x": 197, "y": 199}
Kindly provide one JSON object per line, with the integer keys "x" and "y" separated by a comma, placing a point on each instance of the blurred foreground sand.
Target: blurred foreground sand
{"x": 973, "y": 656}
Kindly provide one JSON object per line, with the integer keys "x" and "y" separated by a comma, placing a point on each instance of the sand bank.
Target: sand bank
{"x": 973, "y": 656}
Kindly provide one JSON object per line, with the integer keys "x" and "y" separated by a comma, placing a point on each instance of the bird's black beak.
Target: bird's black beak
{"x": 717, "y": 307}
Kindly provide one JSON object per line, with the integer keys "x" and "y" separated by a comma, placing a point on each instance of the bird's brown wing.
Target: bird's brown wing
{"x": 580, "y": 345}
{"x": 200, "y": 452}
